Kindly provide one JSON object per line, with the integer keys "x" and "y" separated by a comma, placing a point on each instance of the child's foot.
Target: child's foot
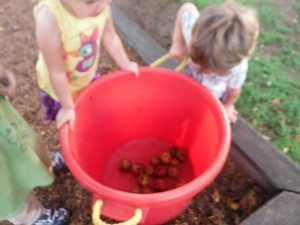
{"x": 57, "y": 161}
{"x": 53, "y": 216}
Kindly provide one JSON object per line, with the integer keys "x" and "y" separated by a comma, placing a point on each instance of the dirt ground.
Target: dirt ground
{"x": 228, "y": 200}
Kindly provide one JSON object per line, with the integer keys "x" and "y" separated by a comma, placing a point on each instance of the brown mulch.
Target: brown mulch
{"x": 228, "y": 200}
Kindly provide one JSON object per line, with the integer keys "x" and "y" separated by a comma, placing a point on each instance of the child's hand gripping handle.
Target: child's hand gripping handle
{"x": 165, "y": 58}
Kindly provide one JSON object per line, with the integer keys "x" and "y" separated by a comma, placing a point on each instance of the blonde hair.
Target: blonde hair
{"x": 222, "y": 36}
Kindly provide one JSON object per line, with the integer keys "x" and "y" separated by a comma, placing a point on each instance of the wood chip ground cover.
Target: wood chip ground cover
{"x": 228, "y": 200}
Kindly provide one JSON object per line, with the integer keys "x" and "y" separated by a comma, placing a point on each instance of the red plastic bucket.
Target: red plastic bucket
{"x": 120, "y": 116}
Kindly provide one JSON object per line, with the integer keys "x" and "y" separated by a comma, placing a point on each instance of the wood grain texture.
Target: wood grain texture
{"x": 284, "y": 209}
{"x": 269, "y": 161}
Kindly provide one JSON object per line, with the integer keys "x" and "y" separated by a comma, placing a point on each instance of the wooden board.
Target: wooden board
{"x": 284, "y": 209}
{"x": 269, "y": 161}
{"x": 252, "y": 170}
{"x": 258, "y": 157}
{"x": 148, "y": 49}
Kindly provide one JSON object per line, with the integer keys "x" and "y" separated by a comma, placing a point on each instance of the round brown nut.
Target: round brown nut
{"x": 181, "y": 155}
{"x": 160, "y": 171}
{"x": 149, "y": 169}
{"x": 144, "y": 179}
{"x": 160, "y": 184}
{"x": 175, "y": 162}
{"x": 173, "y": 171}
{"x": 179, "y": 183}
{"x": 125, "y": 165}
{"x": 147, "y": 190}
{"x": 154, "y": 160}
{"x": 166, "y": 157}
{"x": 173, "y": 150}
{"x": 136, "y": 190}
{"x": 137, "y": 168}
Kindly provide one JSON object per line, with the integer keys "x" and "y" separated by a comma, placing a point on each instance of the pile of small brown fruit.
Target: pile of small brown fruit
{"x": 161, "y": 174}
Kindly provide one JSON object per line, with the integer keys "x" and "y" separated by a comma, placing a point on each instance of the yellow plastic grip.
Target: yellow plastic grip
{"x": 136, "y": 219}
{"x": 165, "y": 58}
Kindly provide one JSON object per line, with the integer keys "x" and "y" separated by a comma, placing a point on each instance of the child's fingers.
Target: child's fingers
{"x": 137, "y": 72}
{"x": 72, "y": 124}
{"x": 61, "y": 120}
{"x": 60, "y": 123}
{"x": 233, "y": 116}
{"x": 65, "y": 115}
{"x": 133, "y": 67}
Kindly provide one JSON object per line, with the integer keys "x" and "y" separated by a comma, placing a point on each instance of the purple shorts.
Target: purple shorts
{"x": 50, "y": 106}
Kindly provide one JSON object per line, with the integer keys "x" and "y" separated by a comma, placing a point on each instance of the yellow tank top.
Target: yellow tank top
{"x": 80, "y": 40}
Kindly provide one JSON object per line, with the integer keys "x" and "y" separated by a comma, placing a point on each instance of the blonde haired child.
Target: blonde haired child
{"x": 218, "y": 42}
{"x": 69, "y": 34}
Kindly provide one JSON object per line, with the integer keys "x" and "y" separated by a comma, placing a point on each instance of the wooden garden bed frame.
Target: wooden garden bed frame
{"x": 265, "y": 164}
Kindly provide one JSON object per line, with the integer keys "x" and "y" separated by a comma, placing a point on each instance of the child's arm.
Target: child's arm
{"x": 114, "y": 46}
{"x": 179, "y": 49}
{"x": 7, "y": 82}
{"x": 48, "y": 39}
{"x": 232, "y": 96}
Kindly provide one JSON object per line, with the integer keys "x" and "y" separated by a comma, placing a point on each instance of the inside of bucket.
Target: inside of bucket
{"x": 135, "y": 118}
{"x": 140, "y": 151}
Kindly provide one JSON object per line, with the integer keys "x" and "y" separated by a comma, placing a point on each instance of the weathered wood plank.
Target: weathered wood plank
{"x": 269, "y": 161}
{"x": 251, "y": 169}
{"x": 273, "y": 170}
{"x": 148, "y": 49}
{"x": 284, "y": 209}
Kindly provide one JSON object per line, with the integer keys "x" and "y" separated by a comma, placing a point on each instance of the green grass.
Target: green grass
{"x": 271, "y": 95}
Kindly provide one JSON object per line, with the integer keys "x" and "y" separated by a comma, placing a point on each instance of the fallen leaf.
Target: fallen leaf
{"x": 217, "y": 216}
{"x": 285, "y": 150}
{"x": 216, "y": 196}
{"x": 269, "y": 83}
{"x": 266, "y": 137}
{"x": 277, "y": 102}
{"x": 248, "y": 202}
{"x": 234, "y": 206}
{"x": 297, "y": 138}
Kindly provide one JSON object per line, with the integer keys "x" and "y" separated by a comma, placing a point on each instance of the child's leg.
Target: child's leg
{"x": 57, "y": 162}
{"x": 35, "y": 213}
{"x": 31, "y": 212}
{"x": 51, "y": 106}
{"x": 50, "y": 109}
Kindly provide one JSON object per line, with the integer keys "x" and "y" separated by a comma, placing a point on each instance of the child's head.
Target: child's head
{"x": 86, "y": 8}
{"x": 222, "y": 36}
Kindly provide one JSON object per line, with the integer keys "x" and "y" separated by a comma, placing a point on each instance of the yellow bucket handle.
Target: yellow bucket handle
{"x": 165, "y": 58}
{"x": 136, "y": 219}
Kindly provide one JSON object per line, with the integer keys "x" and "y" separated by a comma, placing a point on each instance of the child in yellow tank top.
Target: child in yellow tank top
{"x": 69, "y": 33}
